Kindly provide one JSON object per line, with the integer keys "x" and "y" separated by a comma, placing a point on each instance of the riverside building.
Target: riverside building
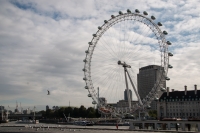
{"x": 179, "y": 104}
{"x": 146, "y": 79}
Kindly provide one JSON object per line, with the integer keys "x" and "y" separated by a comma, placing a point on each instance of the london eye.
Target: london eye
{"x": 120, "y": 47}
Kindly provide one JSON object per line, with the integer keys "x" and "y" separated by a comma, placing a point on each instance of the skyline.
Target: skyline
{"x": 43, "y": 45}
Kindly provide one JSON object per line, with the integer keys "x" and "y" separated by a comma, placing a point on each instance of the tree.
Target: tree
{"x": 73, "y": 112}
{"x": 60, "y": 112}
{"x": 153, "y": 113}
{"x": 49, "y": 113}
{"x": 91, "y": 112}
{"x": 97, "y": 114}
{"x": 82, "y": 111}
{"x": 68, "y": 111}
{"x": 76, "y": 113}
{"x": 43, "y": 113}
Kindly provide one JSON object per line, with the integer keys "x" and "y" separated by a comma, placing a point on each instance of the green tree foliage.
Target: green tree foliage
{"x": 153, "y": 113}
{"x": 82, "y": 111}
{"x": 43, "y": 113}
{"x": 68, "y": 112}
{"x": 91, "y": 112}
{"x": 49, "y": 113}
{"x": 71, "y": 112}
{"x": 97, "y": 114}
{"x": 75, "y": 112}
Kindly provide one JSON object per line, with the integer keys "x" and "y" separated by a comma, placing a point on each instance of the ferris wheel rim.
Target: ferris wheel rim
{"x": 109, "y": 23}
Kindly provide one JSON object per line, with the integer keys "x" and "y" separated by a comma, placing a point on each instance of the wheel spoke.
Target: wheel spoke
{"x": 135, "y": 40}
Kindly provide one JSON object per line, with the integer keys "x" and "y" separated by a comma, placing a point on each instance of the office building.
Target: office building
{"x": 146, "y": 79}
{"x": 179, "y": 104}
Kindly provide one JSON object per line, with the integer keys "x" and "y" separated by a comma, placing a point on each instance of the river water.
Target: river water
{"x": 56, "y": 128}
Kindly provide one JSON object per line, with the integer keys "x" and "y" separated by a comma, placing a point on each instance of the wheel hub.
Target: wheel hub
{"x": 123, "y": 64}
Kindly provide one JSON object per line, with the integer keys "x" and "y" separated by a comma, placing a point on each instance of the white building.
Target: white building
{"x": 179, "y": 104}
{"x": 27, "y": 111}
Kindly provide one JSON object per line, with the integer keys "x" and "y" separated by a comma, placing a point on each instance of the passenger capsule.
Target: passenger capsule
{"x": 156, "y": 98}
{"x": 170, "y": 54}
{"x": 170, "y": 66}
{"x": 89, "y": 95}
{"x": 167, "y": 78}
{"x": 86, "y": 87}
{"x": 85, "y": 70}
{"x": 120, "y": 12}
{"x": 84, "y": 78}
{"x": 145, "y": 13}
{"x": 99, "y": 28}
{"x": 162, "y": 89}
{"x": 86, "y": 51}
{"x": 137, "y": 11}
{"x": 84, "y": 60}
{"x": 153, "y": 18}
{"x": 90, "y": 43}
{"x": 169, "y": 43}
{"x": 94, "y": 35}
{"x": 165, "y": 32}
{"x": 128, "y": 11}
{"x": 105, "y": 21}
{"x": 112, "y": 16}
{"x": 94, "y": 102}
{"x": 159, "y": 24}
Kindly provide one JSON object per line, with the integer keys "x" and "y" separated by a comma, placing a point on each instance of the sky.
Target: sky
{"x": 43, "y": 43}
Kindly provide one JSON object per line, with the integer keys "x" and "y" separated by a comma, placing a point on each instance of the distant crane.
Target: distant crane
{"x": 48, "y": 92}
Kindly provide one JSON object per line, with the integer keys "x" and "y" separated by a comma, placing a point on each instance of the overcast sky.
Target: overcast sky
{"x": 42, "y": 45}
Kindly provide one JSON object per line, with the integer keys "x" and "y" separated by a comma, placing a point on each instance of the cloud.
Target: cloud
{"x": 42, "y": 46}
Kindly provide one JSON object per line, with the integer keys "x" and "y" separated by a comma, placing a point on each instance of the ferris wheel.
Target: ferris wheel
{"x": 120, "y": 47}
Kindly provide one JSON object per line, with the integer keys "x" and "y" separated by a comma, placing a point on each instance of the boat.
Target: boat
{"x": 27, "y": 121}
{"x": 83, "y": 123}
